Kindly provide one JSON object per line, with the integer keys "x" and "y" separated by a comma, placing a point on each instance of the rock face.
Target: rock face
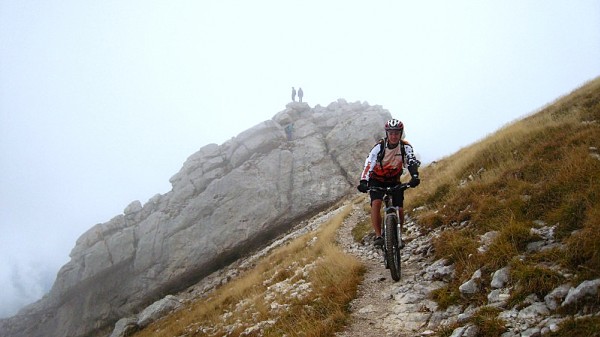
{"x": 225, "y": 201}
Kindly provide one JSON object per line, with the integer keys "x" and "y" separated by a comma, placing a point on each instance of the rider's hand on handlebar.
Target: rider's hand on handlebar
{"x": 414, "y": 181}
{"x": 363, "y": 187}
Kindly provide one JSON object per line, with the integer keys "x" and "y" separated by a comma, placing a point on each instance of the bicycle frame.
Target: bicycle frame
{"x": 389, "y": 206}
{"x": 392, "y": 227}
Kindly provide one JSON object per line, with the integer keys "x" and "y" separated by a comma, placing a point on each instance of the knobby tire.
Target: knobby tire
{"x": 392, "y": 250}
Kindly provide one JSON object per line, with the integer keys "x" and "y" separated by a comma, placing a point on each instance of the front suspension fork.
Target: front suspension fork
{"x": 399, "y": 213}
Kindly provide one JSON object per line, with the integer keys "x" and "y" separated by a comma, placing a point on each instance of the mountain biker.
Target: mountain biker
{"x": 383, "y": 167}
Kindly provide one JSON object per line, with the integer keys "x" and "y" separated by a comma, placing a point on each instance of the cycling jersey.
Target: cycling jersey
{"x": 390, "y": 168}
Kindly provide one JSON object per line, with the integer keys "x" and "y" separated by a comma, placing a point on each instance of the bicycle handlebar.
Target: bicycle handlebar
{"x": 401, "y": 187}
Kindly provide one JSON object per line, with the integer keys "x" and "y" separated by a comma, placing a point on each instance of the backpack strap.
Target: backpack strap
{"x": 381, "y": 152}
{"x": 402, "y": 150}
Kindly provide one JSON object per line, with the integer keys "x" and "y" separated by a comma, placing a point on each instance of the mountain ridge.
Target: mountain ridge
{"x": 226, "y": 200}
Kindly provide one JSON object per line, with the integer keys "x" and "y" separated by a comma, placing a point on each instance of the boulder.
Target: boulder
{"x": 157, "y": 310}
{"x": 472, "y": 286}
{"x": 125, "y": 327}
{"x": 500, "y": 278}
{"x": 556, "y": 296}
{"x": 583, "y": 290}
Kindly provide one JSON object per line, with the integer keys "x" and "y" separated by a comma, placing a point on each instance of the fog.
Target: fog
{"x": 101, "y": 102}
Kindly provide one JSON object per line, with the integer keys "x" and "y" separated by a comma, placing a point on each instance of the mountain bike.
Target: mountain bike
{"x": 392, "y": 230}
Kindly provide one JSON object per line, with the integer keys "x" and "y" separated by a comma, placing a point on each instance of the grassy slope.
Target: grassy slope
{"x": 544, "y": 169}
{"x": 541, "y": 168}
{"x": 300, "y": 289}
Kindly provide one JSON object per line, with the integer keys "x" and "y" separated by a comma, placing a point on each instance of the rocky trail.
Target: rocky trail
{"x": 384, "y": 307}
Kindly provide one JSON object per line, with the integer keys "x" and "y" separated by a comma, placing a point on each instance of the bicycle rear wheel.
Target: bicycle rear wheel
{"x": 392, "y": 249}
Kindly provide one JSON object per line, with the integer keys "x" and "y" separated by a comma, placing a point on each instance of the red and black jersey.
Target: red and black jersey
{"x": 389, "y": 167}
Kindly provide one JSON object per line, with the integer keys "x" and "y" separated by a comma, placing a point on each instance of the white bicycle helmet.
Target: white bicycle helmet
{"x": 394, "y": 124}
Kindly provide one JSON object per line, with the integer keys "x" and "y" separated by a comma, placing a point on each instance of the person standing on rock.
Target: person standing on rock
{"x": 383, "y": 167}
{"x": 288, "y": 131}
{"x": 294, "y": 95}
{"x": 300, "y": 94}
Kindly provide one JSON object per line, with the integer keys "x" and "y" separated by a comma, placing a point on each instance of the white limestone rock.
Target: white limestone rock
{"x": 585, "y": 289}
{"x": 500, "y": 278}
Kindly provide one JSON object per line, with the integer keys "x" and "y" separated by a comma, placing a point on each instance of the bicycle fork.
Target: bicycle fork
{"x": 399, "y": 211}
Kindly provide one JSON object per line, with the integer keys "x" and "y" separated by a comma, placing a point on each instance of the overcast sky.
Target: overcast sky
{"x": 101, "y": 102}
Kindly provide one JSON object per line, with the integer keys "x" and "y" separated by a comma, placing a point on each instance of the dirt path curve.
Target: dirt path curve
{"x": 384, "y": 307}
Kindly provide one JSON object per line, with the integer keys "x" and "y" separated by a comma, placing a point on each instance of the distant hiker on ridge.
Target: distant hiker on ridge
{"x": 300, "y": 94}
{"x": 294, "y": 95}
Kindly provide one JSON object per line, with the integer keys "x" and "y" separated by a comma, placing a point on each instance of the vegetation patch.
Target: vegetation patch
{"x": 487, "y": 322}
{"x": 301, "y": 289}
{"x": 583, "y": 249}
{"x": 446, "y": 330}
{"x": 543, "y": 170}
{"x": 446, "y": 296}
{"x": 585, "y": 326}
{"x": 532, "y": 279}
{"x": 430, "y": 219}
{"x": 361, "y": 229}
{"x": 457, "y": 246}
{"x": 510, "y": 242}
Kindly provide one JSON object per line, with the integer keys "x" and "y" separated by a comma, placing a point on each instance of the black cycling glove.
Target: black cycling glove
{"x": 363, "y": 186}
{"x": 414, "y": 181}
{"x": 414, "y": 176}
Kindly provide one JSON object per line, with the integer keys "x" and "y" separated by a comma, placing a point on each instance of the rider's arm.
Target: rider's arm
{"x": 370, "y": 163}
{"x": 413, "y": 165}
{"x": 411, "y": 159}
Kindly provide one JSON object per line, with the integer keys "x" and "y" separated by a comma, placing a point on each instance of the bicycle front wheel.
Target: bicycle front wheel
{"x": 392, "y": 249}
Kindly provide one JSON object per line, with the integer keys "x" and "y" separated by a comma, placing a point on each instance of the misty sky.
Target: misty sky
{"x": 101, "y": 102}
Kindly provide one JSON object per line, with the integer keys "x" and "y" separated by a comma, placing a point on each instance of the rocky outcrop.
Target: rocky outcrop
{"x": 225, "y": 201}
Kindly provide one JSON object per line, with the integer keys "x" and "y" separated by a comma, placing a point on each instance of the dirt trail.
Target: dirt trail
{"x": 384, "y": 307}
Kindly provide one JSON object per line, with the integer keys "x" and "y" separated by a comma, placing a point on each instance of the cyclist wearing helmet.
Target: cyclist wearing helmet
{"x": 383, "y": 168}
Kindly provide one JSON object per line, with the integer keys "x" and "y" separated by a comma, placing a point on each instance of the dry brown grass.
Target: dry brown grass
{"x": 511, "y": 241}
{"x": 582, "y": 326}
{"x": 532, "y": 279}
{"x": 542, "y": 168}
{"x": 583, "y": 248}
{"x": 487, "y": 321}
{"x": 545, "y": 156}
{"x": 364, "y": 226}
{"x": 302, "y": 288}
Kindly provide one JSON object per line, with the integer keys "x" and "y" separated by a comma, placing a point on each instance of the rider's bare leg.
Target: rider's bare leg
{"x": 376, "y": 216}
